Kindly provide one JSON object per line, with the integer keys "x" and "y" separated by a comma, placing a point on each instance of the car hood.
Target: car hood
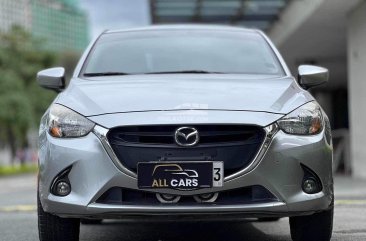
{"x": 140, "y": 93}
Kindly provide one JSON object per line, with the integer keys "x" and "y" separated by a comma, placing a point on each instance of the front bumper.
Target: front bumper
{"x": 279, "y": 171}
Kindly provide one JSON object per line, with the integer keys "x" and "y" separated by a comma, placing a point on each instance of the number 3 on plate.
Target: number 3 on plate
{"x": 218, "y": 174}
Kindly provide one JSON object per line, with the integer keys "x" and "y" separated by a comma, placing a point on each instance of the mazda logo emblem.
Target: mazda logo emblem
{"x": 186, "y": 136}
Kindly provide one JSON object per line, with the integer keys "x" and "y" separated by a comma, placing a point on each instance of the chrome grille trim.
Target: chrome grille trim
{"x": 270, "y": 130}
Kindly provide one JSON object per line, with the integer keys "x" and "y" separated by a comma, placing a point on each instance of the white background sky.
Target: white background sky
{"x": 115, "y": 14}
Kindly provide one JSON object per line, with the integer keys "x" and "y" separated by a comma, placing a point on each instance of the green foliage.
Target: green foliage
{"x": 13, "y": 170}
{"x": 22, "y": 101}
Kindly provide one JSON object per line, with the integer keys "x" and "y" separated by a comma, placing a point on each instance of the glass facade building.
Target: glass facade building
{"x": 61, "y": 24}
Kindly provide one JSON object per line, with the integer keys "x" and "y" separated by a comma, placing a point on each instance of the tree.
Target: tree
{"x": 22, "y": 101}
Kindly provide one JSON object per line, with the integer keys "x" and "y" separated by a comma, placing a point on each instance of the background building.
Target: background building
{"x": 61, "y": 24}
{"x": 330, "y": 33}
{"x": 248, "y": 13}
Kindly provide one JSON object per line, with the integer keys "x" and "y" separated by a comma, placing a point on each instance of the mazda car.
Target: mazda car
{"x": 188, "y": 122}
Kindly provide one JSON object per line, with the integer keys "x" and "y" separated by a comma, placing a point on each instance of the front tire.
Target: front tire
{"x": 318, "y": 226}
{"x": 54, "y": 228}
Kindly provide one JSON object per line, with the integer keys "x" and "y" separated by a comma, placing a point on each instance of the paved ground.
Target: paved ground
{"x": 18, "y": 220}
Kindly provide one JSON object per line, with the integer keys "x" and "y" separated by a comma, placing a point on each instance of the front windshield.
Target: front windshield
{"x": 190, "y": 51}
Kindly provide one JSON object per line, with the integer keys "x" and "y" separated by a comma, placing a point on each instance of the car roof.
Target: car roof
{"x": 184, "y": 27}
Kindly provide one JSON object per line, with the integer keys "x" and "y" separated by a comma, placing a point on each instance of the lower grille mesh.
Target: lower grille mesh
{"x": 245, "y": 195}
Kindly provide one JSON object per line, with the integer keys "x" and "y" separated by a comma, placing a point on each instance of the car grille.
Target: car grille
{"x": 235, "y": 145}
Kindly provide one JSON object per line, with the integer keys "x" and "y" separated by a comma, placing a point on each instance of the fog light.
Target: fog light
{"x": 310, "y": 186}
{"x": 63, "y": 188}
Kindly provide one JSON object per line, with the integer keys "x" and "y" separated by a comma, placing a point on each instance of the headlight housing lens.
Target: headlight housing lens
{"x": 306, "y": 120}
{"x": 65, "y": 123}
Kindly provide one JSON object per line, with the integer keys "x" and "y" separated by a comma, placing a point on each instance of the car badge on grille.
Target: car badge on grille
{"x": 186, "y": 136}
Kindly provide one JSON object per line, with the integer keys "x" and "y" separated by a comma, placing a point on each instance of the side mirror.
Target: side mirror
{"x": 53, "y": 79}
{"x": 310, "y": 76}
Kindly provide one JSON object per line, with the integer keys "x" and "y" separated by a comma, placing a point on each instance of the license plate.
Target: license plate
{"x": 180, "y": 175}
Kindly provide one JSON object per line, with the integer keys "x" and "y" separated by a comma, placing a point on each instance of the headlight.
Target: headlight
{"x": 306, "y": 120}
{"x": 63, "y": 123}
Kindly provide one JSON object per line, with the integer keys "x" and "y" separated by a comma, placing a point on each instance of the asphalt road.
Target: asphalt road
{"x": 18, "y": 220}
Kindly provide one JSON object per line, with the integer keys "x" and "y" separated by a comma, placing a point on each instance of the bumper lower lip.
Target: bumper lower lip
{"x": 184, "y": 217}
{"x": 271, "y": 206}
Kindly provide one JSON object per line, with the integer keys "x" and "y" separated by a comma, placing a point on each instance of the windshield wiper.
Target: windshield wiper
{"x": 162, "y": 72}
{"x": 185, "y": 72}
{"x": 104, "y": 74}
